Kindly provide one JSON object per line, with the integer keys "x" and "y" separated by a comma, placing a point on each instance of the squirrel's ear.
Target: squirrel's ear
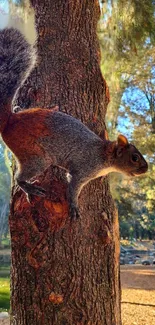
{"x": 122, "y": 140}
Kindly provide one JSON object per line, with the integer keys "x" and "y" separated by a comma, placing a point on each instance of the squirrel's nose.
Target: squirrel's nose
{"x": 145, "y": 167}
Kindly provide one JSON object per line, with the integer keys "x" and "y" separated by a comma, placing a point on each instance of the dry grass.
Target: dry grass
{"x": 138, "y": 295}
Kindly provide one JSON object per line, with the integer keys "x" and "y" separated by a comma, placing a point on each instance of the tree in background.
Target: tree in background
{"x": 4, "y": 190}
{"x": 66, "y": 272}
{"x": 127, "y": 37}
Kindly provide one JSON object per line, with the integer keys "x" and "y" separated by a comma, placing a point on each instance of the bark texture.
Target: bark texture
{"x": 63, "y": 272}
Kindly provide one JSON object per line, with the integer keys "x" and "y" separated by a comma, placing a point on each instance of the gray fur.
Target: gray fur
{"x": 17, "y": 58}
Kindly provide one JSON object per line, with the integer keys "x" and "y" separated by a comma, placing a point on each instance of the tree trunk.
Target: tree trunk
{"x": 66, "y": 272}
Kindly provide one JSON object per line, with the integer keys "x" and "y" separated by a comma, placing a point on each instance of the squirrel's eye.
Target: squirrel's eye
{"x": 135, "y": 157}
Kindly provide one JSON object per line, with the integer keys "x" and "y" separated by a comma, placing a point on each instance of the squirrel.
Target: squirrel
{"x": 39, "y": 137}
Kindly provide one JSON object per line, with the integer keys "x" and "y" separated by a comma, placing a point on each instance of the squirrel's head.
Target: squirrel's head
{"x": 128, "y": 159}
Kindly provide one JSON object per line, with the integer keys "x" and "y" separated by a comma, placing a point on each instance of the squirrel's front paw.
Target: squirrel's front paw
{"x": 74, "y": 212}
{"x": 17, "y": 109}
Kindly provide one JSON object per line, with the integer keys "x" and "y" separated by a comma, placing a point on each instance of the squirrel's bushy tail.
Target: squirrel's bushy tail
{"x": 17, "y": 58}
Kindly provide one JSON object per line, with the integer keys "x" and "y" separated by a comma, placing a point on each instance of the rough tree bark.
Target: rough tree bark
{"x": 63, "y": 272}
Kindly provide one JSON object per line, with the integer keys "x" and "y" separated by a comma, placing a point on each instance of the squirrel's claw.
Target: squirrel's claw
{"x": 38, "y": 191}
{"x": 74, "y": 212}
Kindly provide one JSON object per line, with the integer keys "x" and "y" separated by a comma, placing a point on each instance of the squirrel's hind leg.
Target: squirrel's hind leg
{"x": 26, "y": 173}
{"x": 31, "y": 189}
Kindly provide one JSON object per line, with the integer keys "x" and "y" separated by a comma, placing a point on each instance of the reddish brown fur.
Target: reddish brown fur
{"x": 23, "y": 130}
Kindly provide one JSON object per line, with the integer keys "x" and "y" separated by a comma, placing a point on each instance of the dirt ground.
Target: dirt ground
{"x": 4, "y": 322}
{"x": 138, "y": 295}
